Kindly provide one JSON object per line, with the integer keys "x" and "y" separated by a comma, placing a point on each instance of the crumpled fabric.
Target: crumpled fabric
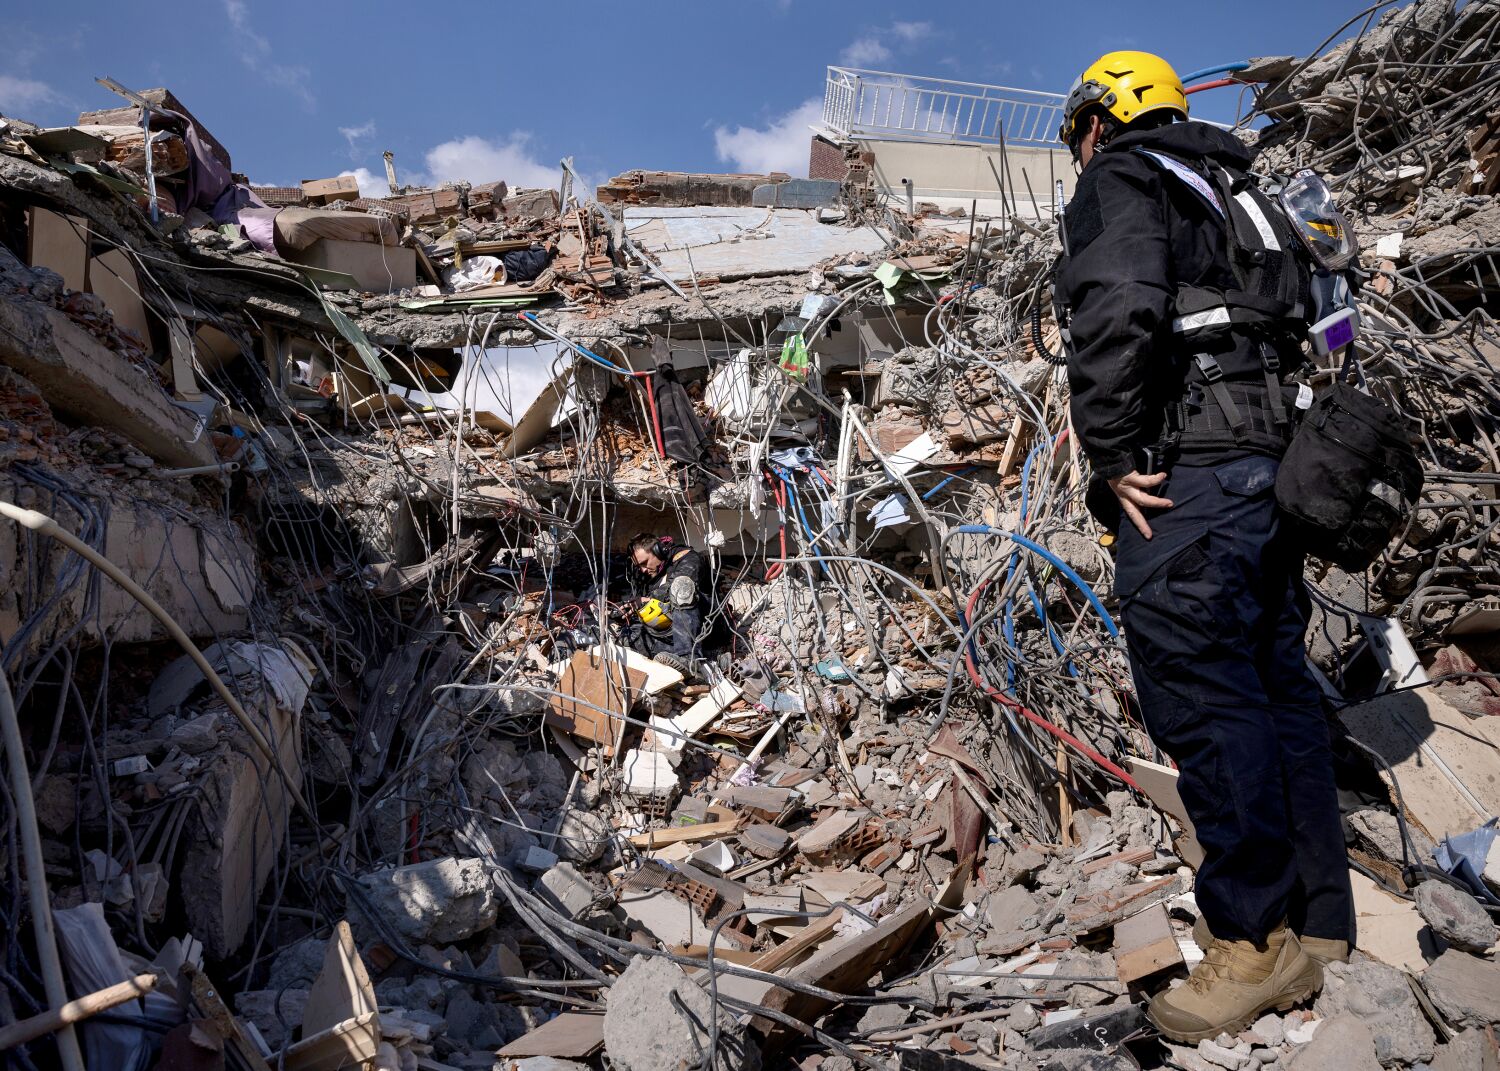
{"x": 683, "y": 437}
{"x": 287, "y": 675}
{"x": 475, "y": 272}
{"x": 209, "y": 183}
{"x": 259, "y": 225}
{"x": 1464, "y": 857}
{"x": 524, "y": 265}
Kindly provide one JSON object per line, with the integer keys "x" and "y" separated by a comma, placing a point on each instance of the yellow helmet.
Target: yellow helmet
{"x": 654, "y": 614}
{"x": 1127, "y": 85}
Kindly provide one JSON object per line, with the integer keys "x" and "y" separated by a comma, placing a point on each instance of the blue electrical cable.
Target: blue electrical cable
{"x": 791, "y": 493}
{"x": 582, "y": 351}
{"x": 946, "y": 481}
{"x": 1223, "y": 68}
{"x": 1062, "y": 567}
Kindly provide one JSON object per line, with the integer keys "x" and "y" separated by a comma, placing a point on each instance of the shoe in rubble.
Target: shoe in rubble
{"x": 674, "y": 661}
{"x": 1236, "y": 982}
{"x": 1321, "y": 950}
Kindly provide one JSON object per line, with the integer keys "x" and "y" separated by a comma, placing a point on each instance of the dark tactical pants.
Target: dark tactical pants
{"x": 1215, "y": 609}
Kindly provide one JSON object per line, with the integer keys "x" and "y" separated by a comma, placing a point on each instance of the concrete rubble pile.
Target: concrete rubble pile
{"x": 330, "y": 752}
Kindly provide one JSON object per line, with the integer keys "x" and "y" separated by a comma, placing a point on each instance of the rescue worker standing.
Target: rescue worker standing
{"x": 1178, "y": 341}
{"x": 671, "y": 579}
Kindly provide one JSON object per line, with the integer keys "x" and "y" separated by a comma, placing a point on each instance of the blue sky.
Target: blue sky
{"x": 501, "y": 91}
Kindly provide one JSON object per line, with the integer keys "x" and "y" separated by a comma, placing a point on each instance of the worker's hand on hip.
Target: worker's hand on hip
{"x": 1133, "y": 491}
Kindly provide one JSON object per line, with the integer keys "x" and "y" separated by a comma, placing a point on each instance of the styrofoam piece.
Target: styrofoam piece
{"x": 649, "y": 773}
{"x": 715, "y": 854}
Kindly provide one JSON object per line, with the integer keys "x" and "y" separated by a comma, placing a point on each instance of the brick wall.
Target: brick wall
{"x": 276, "y": 196}
{"x": 825, "y": 160}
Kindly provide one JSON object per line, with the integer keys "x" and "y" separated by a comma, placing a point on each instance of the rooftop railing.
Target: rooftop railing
{"x": 881, "y": 105}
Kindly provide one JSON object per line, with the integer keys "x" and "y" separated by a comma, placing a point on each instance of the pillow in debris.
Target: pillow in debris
{"x": 298, "y": 228}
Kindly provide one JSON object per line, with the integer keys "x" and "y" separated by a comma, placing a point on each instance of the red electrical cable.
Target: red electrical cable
{"x": 649, "y": 386}
{"x": 1217, "y": 83}
{"x": 775, "y": 569}
{"x": 1057, "y": 731}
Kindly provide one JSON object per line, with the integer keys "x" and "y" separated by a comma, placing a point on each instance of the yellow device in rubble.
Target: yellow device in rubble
{"x": 654, "y": 614}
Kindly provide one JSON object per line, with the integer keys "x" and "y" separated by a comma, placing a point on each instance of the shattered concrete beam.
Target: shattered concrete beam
{"x": 203, "y": 573}
{"x": 91, "y": 384}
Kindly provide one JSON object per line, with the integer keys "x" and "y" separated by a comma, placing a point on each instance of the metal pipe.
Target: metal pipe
{"x": 222, "y": 469}
{"x": 36, "y": 874}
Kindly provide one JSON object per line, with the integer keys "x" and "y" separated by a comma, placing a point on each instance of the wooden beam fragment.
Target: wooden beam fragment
{"x": 75, "y": 1011}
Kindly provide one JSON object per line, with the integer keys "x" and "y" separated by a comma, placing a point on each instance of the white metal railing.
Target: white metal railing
{"x": 879, "y": 104}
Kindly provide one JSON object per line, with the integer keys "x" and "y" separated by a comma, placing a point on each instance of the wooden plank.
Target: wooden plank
{"x": 701, "y": 714}
{"x": 1145, "y": 946}
{"x": 1103, "y": 909}
{"x": 795, "y": 948}
{"x": 75, "y": 1011}
{"x": 347, "y": 1044}
{"x": 1014, "y": 444}
{"x": 847, "y": 965}
{"x": 342, "y": 989}
{"x": 1159, "y": 783}
{"x": 60, "y": 243}
{"x": 702, "y": 831}
{"x": 569, "y": 1036}
{"x": 113, "y": 278}
{"x": 728, "y": 955}
{"x": 596, "y": 694}
{"x": 216, "y": 1017}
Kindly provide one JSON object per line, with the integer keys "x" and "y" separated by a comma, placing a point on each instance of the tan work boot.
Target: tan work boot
{"x": 1321, "y": 950}
{"x": 1234, "y": 984}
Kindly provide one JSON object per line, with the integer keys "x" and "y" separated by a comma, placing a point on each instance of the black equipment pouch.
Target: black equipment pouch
{"x": 1350, "y": 478}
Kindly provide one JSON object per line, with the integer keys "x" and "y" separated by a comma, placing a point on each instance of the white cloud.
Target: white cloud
{"x": 782, "y": 145}
{"x": 22, "y": 93}
{"x": 356, "y": 136}
{"x": 370, "y": 184}
{"x": 911, "y": 32}
{"x": 876, "y": 45}
{"x": 863, "y": 51}
{"x": 476, "y": 159}
{"x": 257, "y": 55}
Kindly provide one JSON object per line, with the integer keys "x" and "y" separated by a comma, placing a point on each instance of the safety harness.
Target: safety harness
{"x": 1231, "y": 340}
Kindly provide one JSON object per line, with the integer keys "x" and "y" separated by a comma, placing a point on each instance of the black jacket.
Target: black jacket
{"x": 1134, "y": 233}
{"x": 681, "y": 561}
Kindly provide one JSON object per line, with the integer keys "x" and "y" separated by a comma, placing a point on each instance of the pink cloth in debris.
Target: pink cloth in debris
{"x": 260, "y": 227}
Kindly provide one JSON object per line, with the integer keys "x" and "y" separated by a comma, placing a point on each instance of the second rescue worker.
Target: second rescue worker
{"x": 1179, "y": 338}
{"x": 670, "y": 609}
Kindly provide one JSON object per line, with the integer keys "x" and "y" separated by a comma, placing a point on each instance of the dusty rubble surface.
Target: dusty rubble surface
{"x": 426, "y": 812}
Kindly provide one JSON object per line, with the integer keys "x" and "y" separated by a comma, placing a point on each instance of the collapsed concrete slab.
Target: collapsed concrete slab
{"x": 88, "y": 382}
{"x": 199, "y": 567}
{"x": 240, "y": 825}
